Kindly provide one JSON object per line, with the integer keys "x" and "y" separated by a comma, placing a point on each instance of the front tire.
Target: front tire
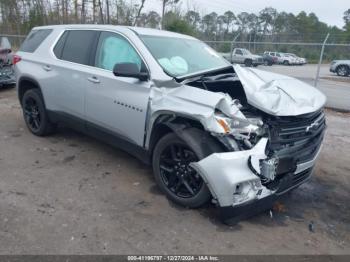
{"x": 34, "y": 113}
{"x": 342, "y": 70}
{"x": 248, "y": 62}
{"x": 181, "y": 183}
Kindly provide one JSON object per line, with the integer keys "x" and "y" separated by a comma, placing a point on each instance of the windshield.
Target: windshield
{"x": 180, "y": 56}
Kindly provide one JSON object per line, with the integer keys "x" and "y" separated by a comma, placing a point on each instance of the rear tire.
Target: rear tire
{"x": 285, "y": 62}
{"x": 174, "y": 176}
{"x": 342, "y": 70}
{"x": 34, "y": 113}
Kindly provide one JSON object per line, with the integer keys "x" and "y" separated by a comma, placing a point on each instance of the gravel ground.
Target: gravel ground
{"x": 70, "y": 194}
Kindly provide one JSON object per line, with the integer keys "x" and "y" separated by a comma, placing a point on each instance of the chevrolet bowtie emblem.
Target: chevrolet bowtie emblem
{"x": 312, "y": 127}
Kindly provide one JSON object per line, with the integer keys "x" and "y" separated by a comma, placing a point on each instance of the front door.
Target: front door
{"x": 117, "y": 104}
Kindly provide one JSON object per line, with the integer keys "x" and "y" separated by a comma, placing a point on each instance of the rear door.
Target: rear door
{"x": 117, "y": 104}
{"x": 71, "y": 70}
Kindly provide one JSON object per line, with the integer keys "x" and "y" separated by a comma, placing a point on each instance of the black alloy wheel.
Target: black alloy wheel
{"x": 182, "y": 180}
{"x": 32, "y": 114}
{"x": 172, "y": 171}
{"x": 342, "y": 70}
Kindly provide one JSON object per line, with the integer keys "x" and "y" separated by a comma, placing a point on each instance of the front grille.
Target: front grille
{"x": 298, "y": 137}
{"x": 285, "y": 130}
{"x": 294, "y": 140}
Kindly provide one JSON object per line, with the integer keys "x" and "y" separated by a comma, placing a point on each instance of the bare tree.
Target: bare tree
{"x": 94, "y": 5}
{"x": 165, "y": 3}
{"x": 139, "y": 12}
{"x": 83, "y": 11}
{"x": 76, "y": 11}
{"x": 108, "y": 14}
{"x": 101, "y": 12}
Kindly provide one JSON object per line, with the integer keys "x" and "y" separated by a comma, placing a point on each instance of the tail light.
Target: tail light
{"x": 16, "y": 59}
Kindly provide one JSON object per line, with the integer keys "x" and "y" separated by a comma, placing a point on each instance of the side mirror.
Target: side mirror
{"x": 129, "y": 70}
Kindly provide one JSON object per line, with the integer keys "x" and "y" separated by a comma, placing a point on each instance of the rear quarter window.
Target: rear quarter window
{"x": 34, "y": 39}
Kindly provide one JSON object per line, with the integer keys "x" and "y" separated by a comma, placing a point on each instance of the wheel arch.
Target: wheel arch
{"x": 24, "y": 84}
{"x": 186, "y": 128}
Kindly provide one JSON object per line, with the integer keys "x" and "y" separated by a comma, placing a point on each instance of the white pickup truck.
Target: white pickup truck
{"x": 243, "y": 56}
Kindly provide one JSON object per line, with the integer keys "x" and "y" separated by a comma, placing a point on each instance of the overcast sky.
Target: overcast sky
{"x": 328, "y": 11}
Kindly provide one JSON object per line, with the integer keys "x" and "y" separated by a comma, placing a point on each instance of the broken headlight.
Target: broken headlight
{"x": 237, "y": 125}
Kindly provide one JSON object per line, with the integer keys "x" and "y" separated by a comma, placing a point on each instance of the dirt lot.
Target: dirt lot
{"x": 70, "y": 194}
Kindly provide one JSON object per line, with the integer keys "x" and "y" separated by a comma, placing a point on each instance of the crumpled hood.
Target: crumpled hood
{"x": 277, "y": 94}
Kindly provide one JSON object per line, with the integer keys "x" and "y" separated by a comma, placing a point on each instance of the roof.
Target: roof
{"x": 157, "y": 32}
{"x": 138, "y": 30}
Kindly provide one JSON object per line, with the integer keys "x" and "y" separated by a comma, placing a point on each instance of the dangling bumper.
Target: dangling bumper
{"x": 233, "y": 179}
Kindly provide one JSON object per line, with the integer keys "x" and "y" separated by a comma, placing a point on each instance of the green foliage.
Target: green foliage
{"x": 269, "y": 25}
{"x": 180, "y": 26}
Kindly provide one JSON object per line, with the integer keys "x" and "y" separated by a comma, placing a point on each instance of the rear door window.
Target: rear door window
{"x": 34, "y": 39}
{"x": 78, "y": 46}
{"x": 58, "y": 49}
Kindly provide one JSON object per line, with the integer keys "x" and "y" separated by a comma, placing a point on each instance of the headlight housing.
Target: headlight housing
{"x": 239, "y": 125}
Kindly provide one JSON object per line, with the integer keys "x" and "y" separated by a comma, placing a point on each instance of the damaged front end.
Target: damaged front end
{"x": 270, "y": 147}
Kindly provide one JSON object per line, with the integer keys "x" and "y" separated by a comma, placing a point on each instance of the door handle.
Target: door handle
{"x": 94, "y": 79}
{"x": 47, "y": 68}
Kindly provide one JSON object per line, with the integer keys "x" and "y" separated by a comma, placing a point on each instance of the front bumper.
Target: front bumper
{"x": 233, "y": 214}
{"x": 223, "y": 172}
{"x": 332, "y": 68}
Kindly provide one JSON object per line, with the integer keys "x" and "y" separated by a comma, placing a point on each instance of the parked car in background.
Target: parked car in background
{"x": 340, "y": 67}
{"x": 7, "y": 76}
{"x": 243, "y": 56}
{"x": 238, "y": 137}
{"x": 299, "y": 60}
{"x": 287, "y": 59}
{"x": 269, "y": 60}
{"x": 276, "y": 56}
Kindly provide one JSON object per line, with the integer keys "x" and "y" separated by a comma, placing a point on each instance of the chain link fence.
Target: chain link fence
{"x": 318, "y": 55}
{"x": 309, "y": 50}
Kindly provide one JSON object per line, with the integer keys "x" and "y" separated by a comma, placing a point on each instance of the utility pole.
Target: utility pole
{"x": 320, "y": 61}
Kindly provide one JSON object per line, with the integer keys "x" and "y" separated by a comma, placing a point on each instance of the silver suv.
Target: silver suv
{"x": 239, "y": 137}
{"x": 341, "y": 67}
